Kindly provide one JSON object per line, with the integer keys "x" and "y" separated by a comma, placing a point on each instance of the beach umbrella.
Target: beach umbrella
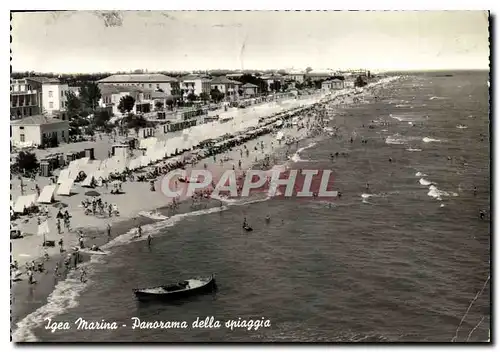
{"x": 92, "y": 194}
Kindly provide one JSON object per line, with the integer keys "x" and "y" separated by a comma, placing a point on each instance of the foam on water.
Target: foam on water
{"x": 436, "y": 193}
{"x": 414, "y": 149}
{"x": 461, "y": 126}
{"x": 419, "y": 174}
{"x": 296, "y": 157}
{"x": 428, "y": 140}
{"x": 424, "y": 182}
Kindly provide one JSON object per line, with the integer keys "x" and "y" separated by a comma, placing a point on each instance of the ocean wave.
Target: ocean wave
{"x": 424, "y": 182}
{"x": 437, "y": 194}
{"x": 428, "y": 140}
{"x": 436, "y": 98}
{"x": 461, "y": 126}
{"x": 414, "y": 150}
{"x": 419, "y": 174}
{"x": 296, "y": 157}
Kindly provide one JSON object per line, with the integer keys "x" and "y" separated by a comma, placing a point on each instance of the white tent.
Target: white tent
{"x": 24, "y": 202}
{"x": 65, "y": 188}
{"x": 147, "y": 142}
{"x": 47, "y": 194}
{"x": 63, "y": 175}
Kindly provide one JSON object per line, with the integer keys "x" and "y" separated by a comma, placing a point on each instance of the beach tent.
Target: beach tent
{"x": 63, "y": 175}
{"x": 65, "y": 188}
{"x": 47, "y": 194}
{"x": 24, "y": 202}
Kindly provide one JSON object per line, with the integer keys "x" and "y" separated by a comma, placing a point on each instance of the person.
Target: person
{"x": 482, "y": 214}
{"x": 61, "y": 249}
{"x": 45, "y": 255}
{"x": 245, "y": 222}
{"x": 30, "y": 277}
{"x": 81, "y": 241}
{"x": 139, "y": 231}
{"x": 14, "y": 265}
{"x": 475, "y": 190}
{"x": 268, "y": 218}
{"x": 108, "y": 229}
{"x": 149, "y": 240}
{"x": 95, "y": 248}
{"x": 56, "y": 270}
{"x": 83, "y": 275}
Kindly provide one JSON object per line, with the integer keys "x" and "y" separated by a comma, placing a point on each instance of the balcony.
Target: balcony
{"x": 24, "y": 92}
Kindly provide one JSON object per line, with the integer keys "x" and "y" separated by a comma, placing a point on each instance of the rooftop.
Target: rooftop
{"x": 111, "y": 89}
{"x": 43, "y": 80}
{"x": 223, "y": 80}
{"x": 36, "y": 120}
{"x": 249, "y": 85}
{"x": 137, "y": 78}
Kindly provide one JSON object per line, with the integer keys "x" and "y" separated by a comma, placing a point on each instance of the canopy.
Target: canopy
{"x": 47, "y": 194}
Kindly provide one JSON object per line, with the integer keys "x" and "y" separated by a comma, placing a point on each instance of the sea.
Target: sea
{"x": 402, "y": 256}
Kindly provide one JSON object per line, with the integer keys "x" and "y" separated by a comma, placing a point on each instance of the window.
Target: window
{"x": 51, "y": 105}
{"x": 50, "y": 94}
{"x": 150, "y": 85}
{"x": 21, "y": 137}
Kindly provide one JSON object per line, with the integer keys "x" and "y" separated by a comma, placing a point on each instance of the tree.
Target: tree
{"x": 90, "y": 95}
{"x": 73, "y": 105}
{"x": 170, "y": 102}
{"x": 309, "y": 69}
{"x": 135, "y": 122}
{"x": 159, "y": 105}
{"x": 359, "y": 82}
{"x": 26, "y": 161}
{"x": 101, "y": 118}
{"x": 216, "y": 95}
{"x": 204, "y": 97}
{"x": 191, "y": 97}
{"x": 126, "y": 104}
{"x": 275, "y": 86}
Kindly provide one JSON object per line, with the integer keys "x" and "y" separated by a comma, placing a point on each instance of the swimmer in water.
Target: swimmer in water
{"x": 482, "y": 214}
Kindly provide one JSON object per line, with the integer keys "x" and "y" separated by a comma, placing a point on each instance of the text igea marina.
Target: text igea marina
{"x": 136, "y": 323}
{"x": 274, "y": 182}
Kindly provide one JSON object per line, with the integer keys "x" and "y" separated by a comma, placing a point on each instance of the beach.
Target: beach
{"x": 31, "y": 304}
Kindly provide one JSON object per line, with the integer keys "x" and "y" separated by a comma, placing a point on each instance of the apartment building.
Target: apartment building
{"x": 195, "y": 84}
{"x": 153, "y": 82}
{"x": 144, "y": 98}
{"x": 227, "y": 86}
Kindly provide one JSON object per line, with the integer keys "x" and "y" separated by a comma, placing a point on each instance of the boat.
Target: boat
{"x": 181, "y": 289}
{"x": 154, "y": 215}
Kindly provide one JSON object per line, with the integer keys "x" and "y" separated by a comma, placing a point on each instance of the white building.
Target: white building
{"x": 194, "y": 84}
{"x": 34, "y": 130}
{"x": 227, "y": 86}
{"x": 36, "y": 95}
{"x": 154, "y": 82}
{"x": 334, "y": 83}
{"x": 111, "y": 96}
{"x": 54, "y": 97}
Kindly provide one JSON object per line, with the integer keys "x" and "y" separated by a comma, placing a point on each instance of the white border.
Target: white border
{"x": 186, "y": 5}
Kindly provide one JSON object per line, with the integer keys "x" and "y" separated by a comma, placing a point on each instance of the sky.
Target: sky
{"x": 99, "y": 41}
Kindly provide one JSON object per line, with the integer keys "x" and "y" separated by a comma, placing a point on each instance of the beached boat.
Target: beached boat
{"x": 178, "y": 290}
{"x": 154, "y": 215}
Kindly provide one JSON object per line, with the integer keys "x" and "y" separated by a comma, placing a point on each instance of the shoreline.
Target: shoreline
{"x": 21, "y": 291}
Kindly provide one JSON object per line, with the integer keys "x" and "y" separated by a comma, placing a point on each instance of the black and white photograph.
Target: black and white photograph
{"x": 250, "y": 176}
